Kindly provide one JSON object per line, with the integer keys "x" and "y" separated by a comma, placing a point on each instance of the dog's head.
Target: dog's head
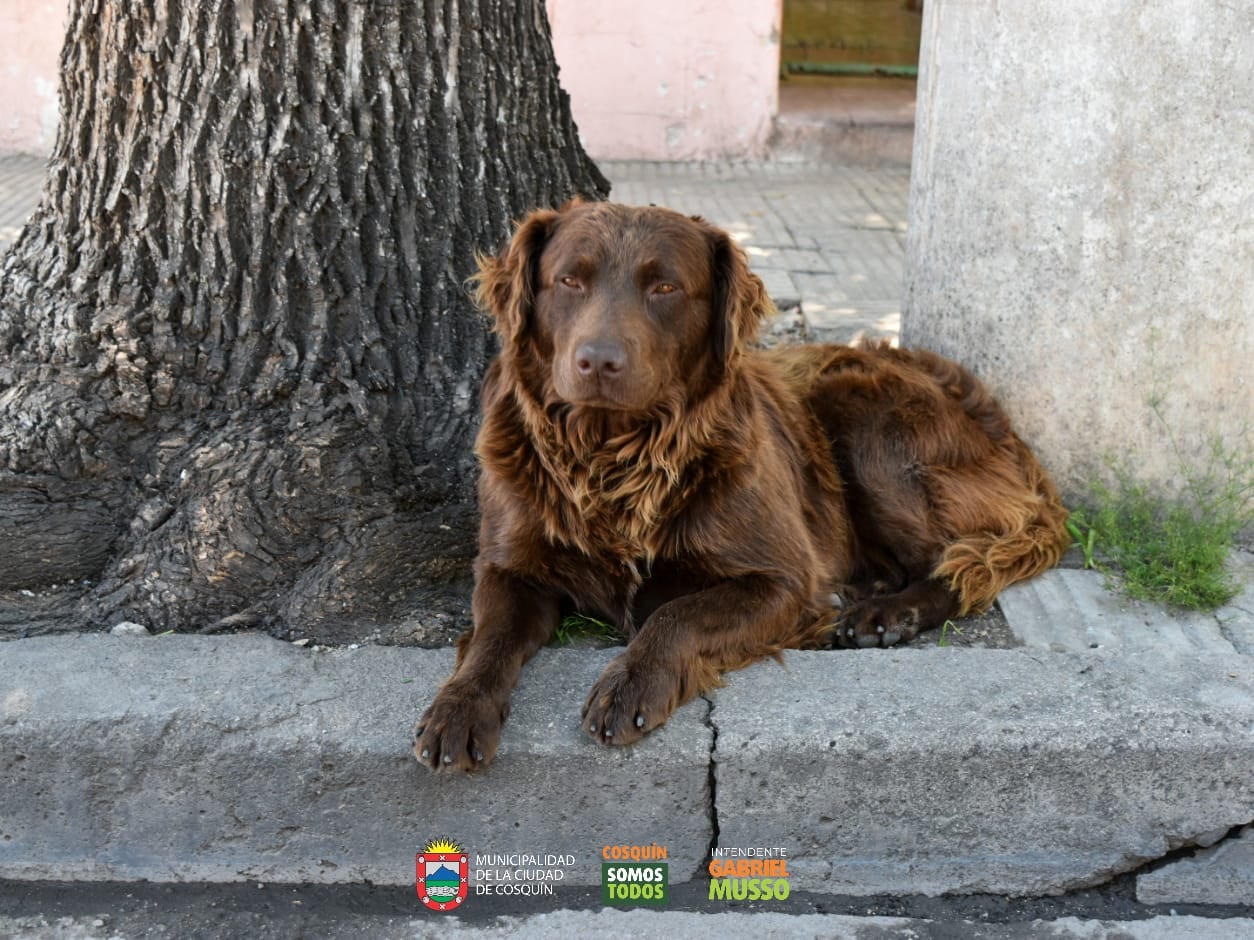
{"x": 618, "y": 306}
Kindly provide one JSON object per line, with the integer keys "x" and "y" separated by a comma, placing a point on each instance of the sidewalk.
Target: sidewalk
{"x": 827, "y": 239}
{"x": 21, "y": 178}
{"x": 830, "y": 239}
{"x": 1113, "y": 741}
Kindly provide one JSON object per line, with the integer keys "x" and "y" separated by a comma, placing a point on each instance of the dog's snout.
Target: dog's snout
{"x": 600, "y": 360}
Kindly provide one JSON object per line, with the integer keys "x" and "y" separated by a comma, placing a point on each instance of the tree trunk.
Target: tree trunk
{"x": 240, "y": 369}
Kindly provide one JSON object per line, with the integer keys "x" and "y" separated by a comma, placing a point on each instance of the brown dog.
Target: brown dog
{"x": 641, "y": 463}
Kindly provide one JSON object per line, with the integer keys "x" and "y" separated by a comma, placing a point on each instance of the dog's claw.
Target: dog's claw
{"x": 629, "y": 700}
{"x": 885, "y": 621}
{"x": 459, "y": 731}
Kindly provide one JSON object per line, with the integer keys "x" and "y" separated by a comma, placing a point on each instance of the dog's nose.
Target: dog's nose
{"x": 604, "y": 360}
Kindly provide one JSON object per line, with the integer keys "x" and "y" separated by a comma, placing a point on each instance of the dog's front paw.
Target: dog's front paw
{"x": 629, "y": 700}
{"x": 874, "y": 622}
{"x": 460, "y": 731}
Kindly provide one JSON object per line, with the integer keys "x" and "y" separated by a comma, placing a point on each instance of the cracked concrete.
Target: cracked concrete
{"x": 1219, "y": 874}
{"x": 986, "y": 771}
{"x": 1236, "y": 618}
{"x": 711, "y": 784}
{"x": 1072, "y": 610}
{"x": 894, "y": 772}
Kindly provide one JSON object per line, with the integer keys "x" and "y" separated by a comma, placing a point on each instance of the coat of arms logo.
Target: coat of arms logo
{"x": 443, "y": 875}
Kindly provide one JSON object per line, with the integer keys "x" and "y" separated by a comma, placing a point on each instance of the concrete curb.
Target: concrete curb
{"x": 1011, "y": 772}
{"x": 243, "y": 758}
{"x": 899, "y": 772}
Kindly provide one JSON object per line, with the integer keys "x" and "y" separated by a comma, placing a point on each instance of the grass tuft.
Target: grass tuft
{"x": 1171, "y": 550}
{"x": 580, "y": 626}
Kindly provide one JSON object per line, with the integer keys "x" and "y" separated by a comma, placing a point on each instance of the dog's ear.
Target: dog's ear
{"x": 505, "y": 285}
{"x": 740, "y": 299}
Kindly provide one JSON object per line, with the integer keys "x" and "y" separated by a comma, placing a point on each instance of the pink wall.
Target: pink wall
{"x": 669, "y": 79}
{"x": 31, "y": 32}
{"x": 648, "y": 79}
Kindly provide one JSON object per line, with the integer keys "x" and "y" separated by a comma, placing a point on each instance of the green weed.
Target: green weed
{"x": 946, "y": 627}
{"x": 1085, "y": 537}
{"x": 1171, "y": 549}
{"x": 578, "y": 626}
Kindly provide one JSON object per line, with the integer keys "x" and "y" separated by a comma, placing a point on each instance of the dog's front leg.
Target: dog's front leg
{"x": 681, "y": 649}
{"x": 462, "y": 727}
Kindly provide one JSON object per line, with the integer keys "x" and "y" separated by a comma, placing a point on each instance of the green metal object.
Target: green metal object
{"x": 850, "y": 68}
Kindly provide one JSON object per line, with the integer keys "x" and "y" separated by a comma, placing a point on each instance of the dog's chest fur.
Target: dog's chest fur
{"x": 611, "y": 491}
{"x": 611, "y": 496}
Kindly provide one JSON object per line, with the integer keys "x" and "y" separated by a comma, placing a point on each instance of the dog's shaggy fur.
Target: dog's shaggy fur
{"x": 641, "y": 463}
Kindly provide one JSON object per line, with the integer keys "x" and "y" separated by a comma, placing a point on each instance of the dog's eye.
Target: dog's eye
{"x": 664, "y": 289}
{"x": 570, "y": 281}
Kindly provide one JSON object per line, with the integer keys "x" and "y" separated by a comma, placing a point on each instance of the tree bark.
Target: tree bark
{"x": 240, "y": 369}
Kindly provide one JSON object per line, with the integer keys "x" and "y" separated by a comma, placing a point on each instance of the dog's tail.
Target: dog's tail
{"x": 1033, "y": 538}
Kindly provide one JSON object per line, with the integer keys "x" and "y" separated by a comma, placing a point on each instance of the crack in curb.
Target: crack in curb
{"x": 1111, "y": 878}
{"x": 1197, "y": 844}
{"x": 1133, "y": 866}
{"x": 711, "y": 789}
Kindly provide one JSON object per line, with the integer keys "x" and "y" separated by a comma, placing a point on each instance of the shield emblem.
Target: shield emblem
{"x": 443, "y": 879}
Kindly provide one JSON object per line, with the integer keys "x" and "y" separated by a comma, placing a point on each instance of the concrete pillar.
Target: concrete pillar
{"x": 1082, "y": 222}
